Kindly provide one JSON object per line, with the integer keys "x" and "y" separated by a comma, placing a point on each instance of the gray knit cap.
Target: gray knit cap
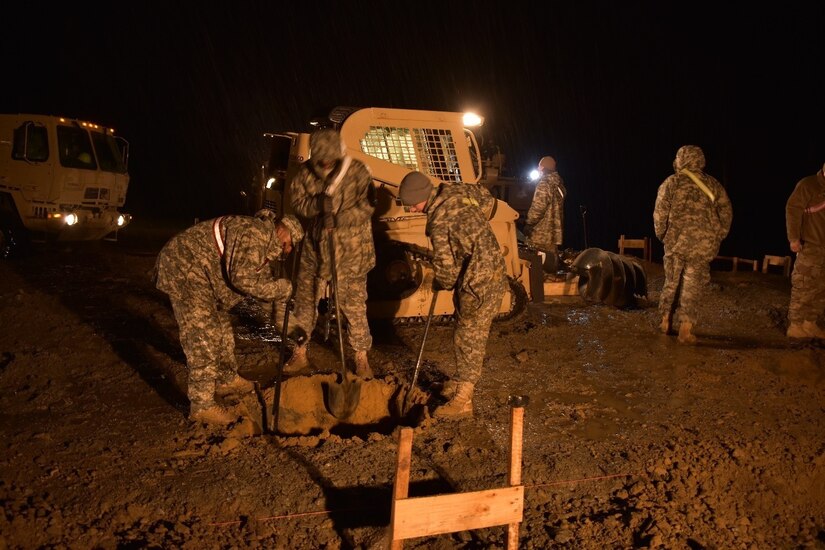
{"x": 414, "y": 188}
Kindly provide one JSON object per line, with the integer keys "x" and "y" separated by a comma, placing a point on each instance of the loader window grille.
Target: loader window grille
{"x": 394, "y": 145}
{"x": 438, "y": 153}
{"x": 431, "y": 151}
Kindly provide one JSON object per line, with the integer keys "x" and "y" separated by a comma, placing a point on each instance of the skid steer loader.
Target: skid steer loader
{"x": 393, "y": 142}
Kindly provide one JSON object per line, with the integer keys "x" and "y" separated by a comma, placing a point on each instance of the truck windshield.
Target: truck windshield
{"x": 75, "y": 148}
{"x": 108, "y": 153}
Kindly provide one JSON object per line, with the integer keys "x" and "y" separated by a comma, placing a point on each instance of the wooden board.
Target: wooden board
{"x": 435, "y": 515}
{"x": 562, "y": 288}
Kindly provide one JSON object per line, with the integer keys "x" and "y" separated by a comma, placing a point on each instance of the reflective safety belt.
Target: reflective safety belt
{"x": 216, "y": 231}
{"x": 700, "y": 183}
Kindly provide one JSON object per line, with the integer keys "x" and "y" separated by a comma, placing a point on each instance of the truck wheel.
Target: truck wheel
{"x": 5, "y": 243}
{"x": 518, "y": 302}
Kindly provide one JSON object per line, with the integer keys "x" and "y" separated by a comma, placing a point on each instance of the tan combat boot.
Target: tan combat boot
{"x": 237, "y": 386}
{"x": 461, "y": 405}
{"x": 298, "y": 362}
{"x": 362, "y": 365}
{"x": 685, "y": 334}
{"x": 448, "y": 389}
{"x": 797, "y": 330}
{"x": 813, "y": 330}
{"x": 214, "y": 415}
{"x": 664, "y": 327}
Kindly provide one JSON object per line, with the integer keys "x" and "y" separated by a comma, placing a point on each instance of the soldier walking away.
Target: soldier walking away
{"x": 335, "y": 189}
{"x": 467, "y": 259}
{"x": 206, "y": 270}
{"x": 691, "y": 217}
{"x": 544, "y": 227}
{"x": 805, "y": 225}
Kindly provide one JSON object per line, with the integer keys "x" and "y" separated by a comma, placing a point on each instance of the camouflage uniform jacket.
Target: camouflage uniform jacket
{"x": 689, "y": 223}
{"x": 353, "y": 206}
{"x": 192, "y": 263}
{"x": 807, "y": 227}
{"x": 465, "y": 250}
{"x": 546, "y": 214}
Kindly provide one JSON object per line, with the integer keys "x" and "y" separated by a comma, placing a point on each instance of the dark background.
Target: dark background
{"x": 610, "y": 89}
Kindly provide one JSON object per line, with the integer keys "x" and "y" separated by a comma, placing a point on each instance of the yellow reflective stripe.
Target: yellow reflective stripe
{"x": 700, "y": 183}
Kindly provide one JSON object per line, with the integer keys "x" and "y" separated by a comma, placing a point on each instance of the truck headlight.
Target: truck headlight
{"x": 71, "y": 219}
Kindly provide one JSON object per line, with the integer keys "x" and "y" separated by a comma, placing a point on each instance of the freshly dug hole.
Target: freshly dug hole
{"x": 304, "y": 409}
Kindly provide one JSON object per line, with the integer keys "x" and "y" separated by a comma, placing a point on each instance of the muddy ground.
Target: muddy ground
{"x": 630, "y": 439}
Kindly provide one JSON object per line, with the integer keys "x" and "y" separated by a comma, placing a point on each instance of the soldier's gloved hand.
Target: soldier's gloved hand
{"x": 527, "y": 230}
{"x": 326, "y": 206}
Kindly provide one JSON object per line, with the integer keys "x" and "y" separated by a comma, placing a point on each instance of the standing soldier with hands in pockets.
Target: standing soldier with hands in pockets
{"x": 805, "y": 224}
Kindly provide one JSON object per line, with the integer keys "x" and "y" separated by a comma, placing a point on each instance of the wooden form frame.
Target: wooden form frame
{"x": 450, "y": 513}
{"x": 641, "y": 244}
{"x": 784, "y": 261}
{"x": 735, "y": 260}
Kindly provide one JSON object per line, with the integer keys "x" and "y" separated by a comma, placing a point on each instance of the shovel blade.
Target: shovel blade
{"x": 343, "y": 398}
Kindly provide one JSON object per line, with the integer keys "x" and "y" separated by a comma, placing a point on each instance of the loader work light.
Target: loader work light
{"x": 471, "y": 120}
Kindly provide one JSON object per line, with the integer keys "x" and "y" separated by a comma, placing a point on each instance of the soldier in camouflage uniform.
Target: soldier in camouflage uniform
{"x": 467, "y": 259}
{"x": 805, "y": 224}
{"x": 333, "y": 188}
{"x": 544, "y": 226}
{"x": 691, "y": 217}
{"x": 206, "y": 270}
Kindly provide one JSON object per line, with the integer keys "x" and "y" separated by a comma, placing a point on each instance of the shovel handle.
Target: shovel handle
{"x": 290, "y": 303}
{"x": 344, "y": 379}
{"x": 420, "y": 351}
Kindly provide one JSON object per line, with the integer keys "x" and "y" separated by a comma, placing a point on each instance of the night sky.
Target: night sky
{"x": 610, "y": 89}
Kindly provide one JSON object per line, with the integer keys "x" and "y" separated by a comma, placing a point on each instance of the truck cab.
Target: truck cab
{"x": 61, "y": 179}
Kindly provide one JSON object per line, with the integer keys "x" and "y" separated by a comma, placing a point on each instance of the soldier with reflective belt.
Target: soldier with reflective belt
{"x": 692, "y": 216}
{"x": 206, "y": 270}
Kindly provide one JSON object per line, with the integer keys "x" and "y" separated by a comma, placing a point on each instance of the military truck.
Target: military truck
{"x": 61, "y": 179}
{"x": 392, "y": 143}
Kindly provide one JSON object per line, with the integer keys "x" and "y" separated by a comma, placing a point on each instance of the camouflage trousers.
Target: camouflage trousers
{"x": 685, "y": 282}
{"x": 807, "y": 285}
{"x": 352, "y": 299}
{"x": 475, "y": 309}
{"x": 208, "y": 340}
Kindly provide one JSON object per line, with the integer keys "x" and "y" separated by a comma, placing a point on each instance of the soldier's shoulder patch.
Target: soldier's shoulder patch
{"x": 470, "y": 201}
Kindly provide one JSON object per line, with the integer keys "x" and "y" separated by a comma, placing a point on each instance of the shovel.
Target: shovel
{"x": 343, "y": 396}
{"x": 406, "y": 406}
{"x": 290, "y": 305}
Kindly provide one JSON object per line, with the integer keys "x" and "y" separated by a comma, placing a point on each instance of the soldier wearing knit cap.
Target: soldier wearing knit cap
{"x": 544, "y": 227}
{"x": 206, "y": 270}
{"x": 467, "y": 259}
